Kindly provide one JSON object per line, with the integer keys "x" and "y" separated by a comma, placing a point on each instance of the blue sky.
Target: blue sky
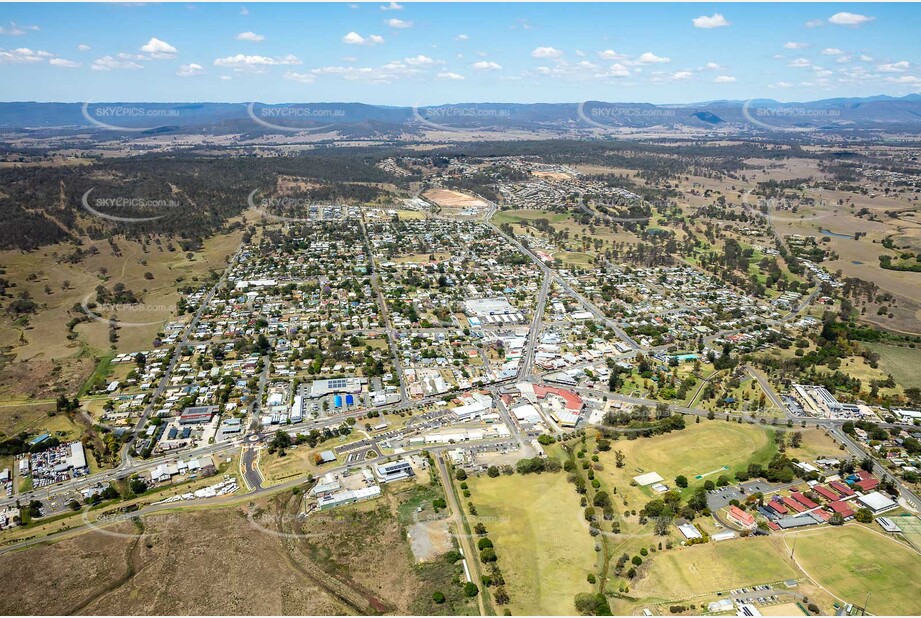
{"x": 427, "y": 53}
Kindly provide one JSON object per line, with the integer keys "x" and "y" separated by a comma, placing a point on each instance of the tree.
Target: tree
{"x": 438, "y": 597}
{"x": 619, "y": 459}
{"x": 493, "y": 471}
{"x": 864, "y": 515}
{"x": 488, "y": 555}
{"x": 681, "y": 481}
{"x": 461, "y": 474}
{"x": 484, "y": 543}
{"x": 471, "y": 590}
{"x": 836, "y": 519}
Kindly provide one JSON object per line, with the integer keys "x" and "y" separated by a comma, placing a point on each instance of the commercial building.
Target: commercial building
{"x": 331, "y": 386}
{"x": 877, "y": 502}
{"x": 394, "y": 471}
{"x": 196, "y": 415}
{"x": 347, "y": 496}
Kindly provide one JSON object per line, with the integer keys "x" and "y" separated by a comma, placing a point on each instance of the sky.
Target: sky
{"x": 431, "y": 53}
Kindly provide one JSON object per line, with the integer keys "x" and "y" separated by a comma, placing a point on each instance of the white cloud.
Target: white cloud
{"x": 904, "y": 79}
{"x": 110, "y": 63}
{"x": 190, "y": 70}
{"x": 812, "y": 23}
{"x": 462, "y": 37}
{"x": 849, "y": 19}
{"x": 546, "y": 52}
{"x": 421, "y": 61}
{"x": 243, "y": 62}
{"x": 16, "y": 30}
{"x": 866, "y": 58}
{"x": 23, "y": 55}
{"x": 616, "y": 70}
{"x": 225, "y": 78}
{"x": 393, "y": 6}
{"x": 64, "y": 64}
{"x": 159, "y": 49}
{"x": 831, "y": 51}
{"x": 250, "y": 36}
{"x": 349, "y": 59}
{"x": 243, "y": 11}
{"x": 304, "y": 78}
{"x": 714, "y": 21}
{"x": 450, "y": 76}
{"x": 781, "y": 85}
{"x": 651, "y": 58}
{"x": 682, "y": 75}
{"x": 83, "y": 47}
{"x": 712, "y": 66}
{"x": 724, "y": 79}
{"x": 399, "y": 23}
{"x": 795, "y": 45}
{"x": 353, "y": 38}
{"x": 485, "y": 65}
{"x": 800, "y": 63}
{"x": 894, "y": 67}
{"x": 610, "y": 54}
{"x": 383, "y": 75}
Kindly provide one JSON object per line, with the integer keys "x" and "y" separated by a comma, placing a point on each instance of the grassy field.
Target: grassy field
{"x": 699, "y": 569}
{"x": 544, "y": 552}
{"x": 697, "y": 450}
{"x": 852, "y": 561}
{"x": 902, "y": 363}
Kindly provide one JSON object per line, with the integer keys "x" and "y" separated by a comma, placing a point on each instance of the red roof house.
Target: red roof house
{"x": 809, "y": 504}
{"x": 841, "y": 507}
{"x": 841, "y": 488}
{"x": 826, "y": 493}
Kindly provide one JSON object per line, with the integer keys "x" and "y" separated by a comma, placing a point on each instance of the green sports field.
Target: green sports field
{"x": 853, "y": 560}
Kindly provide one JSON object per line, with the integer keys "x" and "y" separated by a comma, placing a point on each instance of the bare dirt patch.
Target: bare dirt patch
{"x": 453, "y": 199}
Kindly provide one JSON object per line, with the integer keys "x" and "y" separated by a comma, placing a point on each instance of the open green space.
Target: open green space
{"x": 853, "y": 560}
{"x": 544, "y": 553}
{"x": 688, "y": 571}
{"x": 696, "y": 450}
{"x": 902, "y": 363}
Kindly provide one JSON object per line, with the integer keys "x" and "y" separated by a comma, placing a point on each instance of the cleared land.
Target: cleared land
{"x": 853, "y": 560}
{"x": 544, "y": 549}
{"x": 902, "y": 363}
{"x": 453, "y": 199}
{"x": 688, "y": 571}
{"x": 232, "y": 560}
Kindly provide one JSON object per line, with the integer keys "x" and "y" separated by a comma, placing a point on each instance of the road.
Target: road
{"x": 466, "y": 542}
{"x": 392, "y": 334}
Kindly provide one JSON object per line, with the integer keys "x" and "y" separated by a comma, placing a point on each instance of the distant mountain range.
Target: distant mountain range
{"x": 870, "y": 113}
